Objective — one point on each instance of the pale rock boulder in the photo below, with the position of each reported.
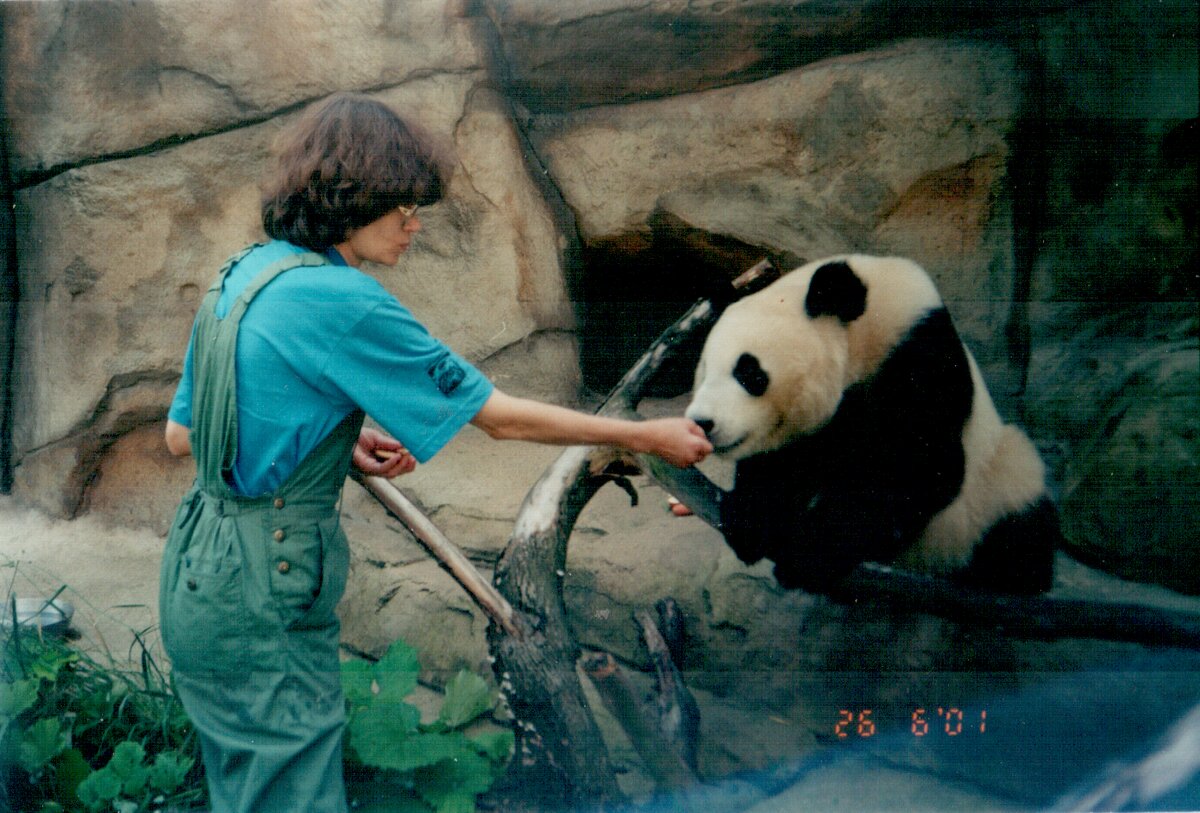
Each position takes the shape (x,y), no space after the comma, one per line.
(900,150)
(118,255)
(89,79)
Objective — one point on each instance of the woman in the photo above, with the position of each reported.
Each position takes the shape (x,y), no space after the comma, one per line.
(291,346)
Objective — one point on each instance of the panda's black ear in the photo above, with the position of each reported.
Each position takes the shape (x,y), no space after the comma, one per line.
(835,290)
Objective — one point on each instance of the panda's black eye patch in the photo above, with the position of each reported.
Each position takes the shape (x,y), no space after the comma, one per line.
(750,374)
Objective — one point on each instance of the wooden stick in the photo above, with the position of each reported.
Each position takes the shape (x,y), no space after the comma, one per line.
(676,709)
(658,752)
(446,552)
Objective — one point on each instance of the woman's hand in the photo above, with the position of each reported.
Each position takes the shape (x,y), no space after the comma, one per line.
(679,441)
(378,455)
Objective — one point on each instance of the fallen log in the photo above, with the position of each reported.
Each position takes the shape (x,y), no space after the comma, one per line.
(659,752)
(1044,618)
(675,708)
(561,757)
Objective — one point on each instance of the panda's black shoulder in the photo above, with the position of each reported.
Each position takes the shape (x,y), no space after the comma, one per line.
(926,374)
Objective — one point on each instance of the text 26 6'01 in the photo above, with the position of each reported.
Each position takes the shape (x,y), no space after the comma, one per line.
(940,721)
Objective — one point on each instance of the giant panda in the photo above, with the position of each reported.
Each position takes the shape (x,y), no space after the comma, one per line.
(862,431)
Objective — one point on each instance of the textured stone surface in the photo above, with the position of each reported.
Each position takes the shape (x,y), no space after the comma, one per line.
(92,79)
(118,255)
(712,131)
(633,49)
(900,151)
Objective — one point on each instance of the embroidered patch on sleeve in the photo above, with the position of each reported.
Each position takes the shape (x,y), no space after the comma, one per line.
(447,374)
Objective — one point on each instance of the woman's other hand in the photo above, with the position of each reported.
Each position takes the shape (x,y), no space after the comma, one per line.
(378,455)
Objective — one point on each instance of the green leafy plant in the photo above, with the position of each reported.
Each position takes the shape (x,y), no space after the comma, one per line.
(81,736)
(441,765)
(75,733)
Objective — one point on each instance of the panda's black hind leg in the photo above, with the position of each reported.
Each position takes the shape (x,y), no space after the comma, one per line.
(1017,554)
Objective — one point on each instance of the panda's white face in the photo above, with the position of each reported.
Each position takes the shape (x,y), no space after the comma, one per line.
(776,363)
(768,373)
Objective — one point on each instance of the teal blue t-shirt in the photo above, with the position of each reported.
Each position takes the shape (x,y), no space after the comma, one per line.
(318,342)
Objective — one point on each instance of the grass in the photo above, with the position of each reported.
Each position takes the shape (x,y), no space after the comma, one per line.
(80,731)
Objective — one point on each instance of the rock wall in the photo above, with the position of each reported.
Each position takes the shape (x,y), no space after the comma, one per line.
(613,158)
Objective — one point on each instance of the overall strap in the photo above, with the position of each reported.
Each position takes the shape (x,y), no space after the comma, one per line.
(319,477)
(214,394)
(307,258)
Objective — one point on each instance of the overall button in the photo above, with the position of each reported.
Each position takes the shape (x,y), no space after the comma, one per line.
(284,567)
(279,502)
(278,535)
(191,584)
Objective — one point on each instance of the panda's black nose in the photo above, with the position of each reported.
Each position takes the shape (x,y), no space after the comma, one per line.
(705,424)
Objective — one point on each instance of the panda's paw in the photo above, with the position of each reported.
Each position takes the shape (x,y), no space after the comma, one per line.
(677,508)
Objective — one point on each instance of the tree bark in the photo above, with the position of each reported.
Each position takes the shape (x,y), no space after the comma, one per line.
(8,309)
(654,745)
(561,757)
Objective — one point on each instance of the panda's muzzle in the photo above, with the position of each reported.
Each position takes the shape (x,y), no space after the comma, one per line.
(709,426)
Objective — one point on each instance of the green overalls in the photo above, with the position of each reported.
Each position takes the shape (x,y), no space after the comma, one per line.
(248,594)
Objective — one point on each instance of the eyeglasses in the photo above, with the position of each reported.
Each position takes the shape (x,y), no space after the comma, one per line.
(408,211)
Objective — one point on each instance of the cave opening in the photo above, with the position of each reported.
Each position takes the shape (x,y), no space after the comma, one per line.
(636,284)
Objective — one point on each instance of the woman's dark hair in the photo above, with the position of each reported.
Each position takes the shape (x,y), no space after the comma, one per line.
(345,163)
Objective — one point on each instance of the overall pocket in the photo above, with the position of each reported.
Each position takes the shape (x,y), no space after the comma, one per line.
(310,600)
(206,626)
(295,568)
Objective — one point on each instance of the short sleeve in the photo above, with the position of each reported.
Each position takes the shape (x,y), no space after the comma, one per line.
(418,389)
(181,405)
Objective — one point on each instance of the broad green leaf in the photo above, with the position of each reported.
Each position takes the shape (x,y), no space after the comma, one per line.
(169,771)
(464,775)
(382,746)
(70,769)
(49,661)
(92,709)
(357,677)
(40,743)
(457,803)
(388,799)
(396,673)
(99,789)
(126,765)
(16,698)
(495,745)
(467,697)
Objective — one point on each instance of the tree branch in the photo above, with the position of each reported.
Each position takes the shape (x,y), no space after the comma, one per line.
(561,755)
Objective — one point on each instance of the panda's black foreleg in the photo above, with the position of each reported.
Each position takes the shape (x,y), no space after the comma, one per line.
(831,538)
(747,526)
(1017,554)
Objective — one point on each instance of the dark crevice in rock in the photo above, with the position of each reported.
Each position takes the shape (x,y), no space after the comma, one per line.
(637,283)
(31,177)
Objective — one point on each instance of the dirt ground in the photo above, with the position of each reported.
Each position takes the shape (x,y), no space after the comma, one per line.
(110,575)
